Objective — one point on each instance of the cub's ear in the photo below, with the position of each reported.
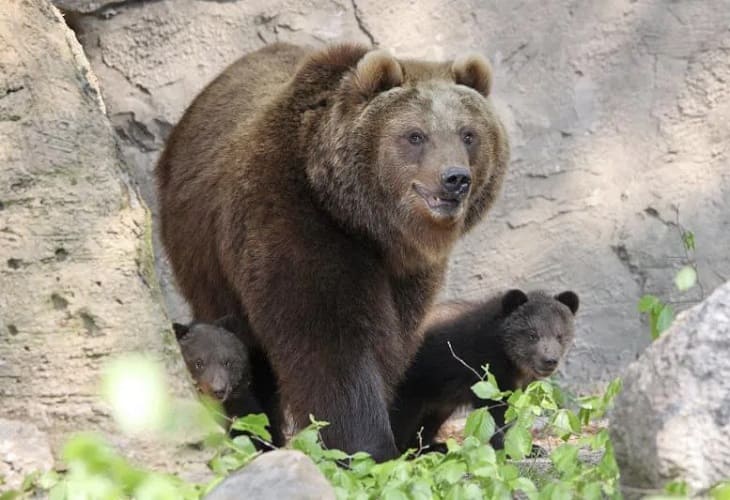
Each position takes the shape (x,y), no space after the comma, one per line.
(473,71)
(231,322)
(180,330)
(512,300)
(570,299)
(376,72)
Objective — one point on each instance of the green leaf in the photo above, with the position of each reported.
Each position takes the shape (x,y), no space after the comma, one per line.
(592,491)
(394,494)
(255,424)
(480,424)
(677,487)
(721,491)
(518,442)
(485,389)
(565,458)
(686,278)
(450,472)
(647,303)
(525,485)
(565,423)
(664,319)
(688,238)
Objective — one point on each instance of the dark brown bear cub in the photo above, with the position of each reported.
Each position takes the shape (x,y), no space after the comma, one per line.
(322,192)
(522,338)
(218,359)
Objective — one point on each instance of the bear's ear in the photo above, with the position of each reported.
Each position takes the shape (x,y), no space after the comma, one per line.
(230,322)
(512,300)
(570,299)
(473,71)
(376,72)
(180,330)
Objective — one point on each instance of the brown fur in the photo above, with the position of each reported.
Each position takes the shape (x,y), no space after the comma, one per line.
(288,190)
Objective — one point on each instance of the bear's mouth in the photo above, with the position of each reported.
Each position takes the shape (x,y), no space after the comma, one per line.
(441,204)
(543,372)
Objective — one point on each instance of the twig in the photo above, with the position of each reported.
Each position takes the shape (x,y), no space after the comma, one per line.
(480,377)
(690,259)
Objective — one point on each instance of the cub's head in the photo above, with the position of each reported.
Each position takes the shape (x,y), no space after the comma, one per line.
(538,329)
(408,150)
(216,357)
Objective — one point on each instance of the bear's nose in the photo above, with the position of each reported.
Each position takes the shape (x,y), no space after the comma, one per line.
(456,180)
(220,394)
(550,363)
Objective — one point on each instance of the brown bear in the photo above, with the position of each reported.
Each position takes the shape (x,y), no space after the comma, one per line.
(521,336)
(223,367)
(322,191)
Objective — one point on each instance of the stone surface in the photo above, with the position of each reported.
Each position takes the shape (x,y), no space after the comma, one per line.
(83,6)
(618,111)
(77,275)
(277,474)
(24,449)
(672,419)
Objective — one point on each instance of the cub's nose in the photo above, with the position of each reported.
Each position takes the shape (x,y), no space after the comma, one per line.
(220,394)
(550,363)
(456,180)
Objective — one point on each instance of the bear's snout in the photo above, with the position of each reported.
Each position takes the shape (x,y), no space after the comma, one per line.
(456,181)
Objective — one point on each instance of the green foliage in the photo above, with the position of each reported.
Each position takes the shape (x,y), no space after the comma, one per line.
(471,469)
(685,278)
(660,314)
(688,239)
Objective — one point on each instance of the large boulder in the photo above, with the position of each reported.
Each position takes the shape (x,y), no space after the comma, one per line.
(672,419)
(610,133)
(276,475)
(77,274)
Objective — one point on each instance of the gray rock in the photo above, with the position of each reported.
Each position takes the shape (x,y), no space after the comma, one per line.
(24,449)
(77,276)
(279,474)
(618,112)
(672,419)
(83,6)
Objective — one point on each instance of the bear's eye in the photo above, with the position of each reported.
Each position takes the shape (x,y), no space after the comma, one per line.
(416,137)
(227,363)
(468,138)
(198,364)
(533,337)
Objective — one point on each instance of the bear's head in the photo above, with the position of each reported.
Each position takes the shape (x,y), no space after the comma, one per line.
(537,330)
(215,356)
(410,152)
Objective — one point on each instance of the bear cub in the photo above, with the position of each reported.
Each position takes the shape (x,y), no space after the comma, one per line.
(217,357)
(521,336)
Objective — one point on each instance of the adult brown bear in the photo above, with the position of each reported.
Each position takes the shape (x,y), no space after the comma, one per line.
(321,192)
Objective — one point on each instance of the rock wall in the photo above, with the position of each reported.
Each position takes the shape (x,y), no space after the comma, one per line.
(77,281)
(618,112)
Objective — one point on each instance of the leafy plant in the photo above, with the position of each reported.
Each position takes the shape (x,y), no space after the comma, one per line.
(661,314)
(470,469)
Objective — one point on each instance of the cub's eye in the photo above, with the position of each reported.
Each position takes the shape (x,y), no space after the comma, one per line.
(468,138)
(416,137)
(227,363)
(533,337)
(198,364)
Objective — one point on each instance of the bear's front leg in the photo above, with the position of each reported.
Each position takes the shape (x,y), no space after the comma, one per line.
(346,389)
(324,315)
